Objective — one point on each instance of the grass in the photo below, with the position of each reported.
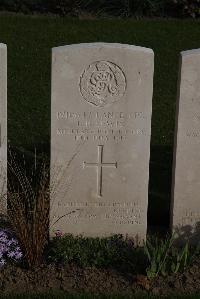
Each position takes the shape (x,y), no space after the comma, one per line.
(30,40)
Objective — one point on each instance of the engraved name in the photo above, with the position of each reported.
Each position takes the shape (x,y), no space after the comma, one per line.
(101,126)
(99,115)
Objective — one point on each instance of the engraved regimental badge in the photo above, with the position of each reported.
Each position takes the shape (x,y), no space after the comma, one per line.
(102,83)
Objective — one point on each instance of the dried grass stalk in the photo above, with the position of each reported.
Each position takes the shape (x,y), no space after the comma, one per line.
(28,209)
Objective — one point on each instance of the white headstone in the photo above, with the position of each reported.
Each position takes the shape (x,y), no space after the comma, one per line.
(100,134)
(185,209)
(3,128)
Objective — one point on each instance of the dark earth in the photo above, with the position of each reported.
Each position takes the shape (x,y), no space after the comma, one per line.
(73,279)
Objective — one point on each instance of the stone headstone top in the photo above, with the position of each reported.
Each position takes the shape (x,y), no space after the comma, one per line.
(100,134)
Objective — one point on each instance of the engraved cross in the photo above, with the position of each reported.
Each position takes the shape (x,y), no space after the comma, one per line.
(99,166)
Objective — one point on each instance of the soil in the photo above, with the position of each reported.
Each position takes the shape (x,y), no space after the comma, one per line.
(73,279)
(180,283)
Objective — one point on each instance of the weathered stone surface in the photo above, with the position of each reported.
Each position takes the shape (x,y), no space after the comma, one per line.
(185,208)
(100,139)
(3,128)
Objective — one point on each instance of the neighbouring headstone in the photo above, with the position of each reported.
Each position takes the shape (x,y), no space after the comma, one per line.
(3,128)
(185,208)
(100,134)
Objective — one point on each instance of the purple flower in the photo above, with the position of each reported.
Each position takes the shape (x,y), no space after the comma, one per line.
(58,233)
(9,247)
(3,239)
(11,254)
(3,248)
(18,255)
(3,234)
(2,262)
(12,242)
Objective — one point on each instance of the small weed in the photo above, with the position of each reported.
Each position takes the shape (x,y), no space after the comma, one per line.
(157,252)
(164,258)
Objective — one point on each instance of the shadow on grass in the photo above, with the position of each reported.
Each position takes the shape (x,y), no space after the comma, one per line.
(29,160)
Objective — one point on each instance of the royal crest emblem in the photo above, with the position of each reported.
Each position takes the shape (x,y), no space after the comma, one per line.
(102,83)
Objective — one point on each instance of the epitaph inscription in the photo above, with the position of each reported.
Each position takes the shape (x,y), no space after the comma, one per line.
(101,127)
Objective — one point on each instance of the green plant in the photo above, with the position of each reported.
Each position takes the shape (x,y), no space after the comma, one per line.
(122,8)
(146,7)
(115,251)
(64,7)
(182,258)
(157,252)
(126,8)
(190,8)
(25,6)
(165,258)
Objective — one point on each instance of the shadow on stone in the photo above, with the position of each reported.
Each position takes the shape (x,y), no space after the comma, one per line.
(188,233)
